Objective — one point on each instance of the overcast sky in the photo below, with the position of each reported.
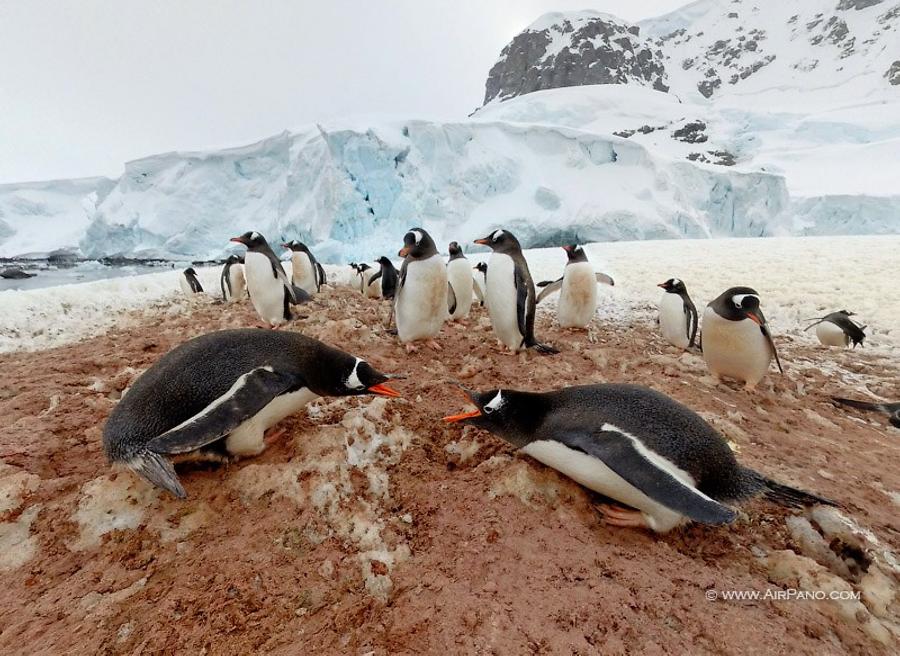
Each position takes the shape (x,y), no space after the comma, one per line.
(87,85)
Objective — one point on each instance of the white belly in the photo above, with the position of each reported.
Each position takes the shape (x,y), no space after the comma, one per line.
(370,291)
(459,274)
(735,349)
(266,291)
(578,296)
(831,335)
(595,475)
(237,281)
(422,301)
(501,300)
(247,439)
(185,285)
(303,273)
(673,321)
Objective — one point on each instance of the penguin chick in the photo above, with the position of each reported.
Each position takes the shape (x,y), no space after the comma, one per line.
(577,289)
(510,293)
(736,339)
(838,329)
(677,314)
(215,395)
(631,444)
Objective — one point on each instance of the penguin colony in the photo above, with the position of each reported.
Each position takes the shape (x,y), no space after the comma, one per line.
(218,396)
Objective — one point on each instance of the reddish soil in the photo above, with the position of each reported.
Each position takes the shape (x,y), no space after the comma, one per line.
(492,553)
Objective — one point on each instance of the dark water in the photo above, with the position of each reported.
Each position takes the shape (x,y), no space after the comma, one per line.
(82,272)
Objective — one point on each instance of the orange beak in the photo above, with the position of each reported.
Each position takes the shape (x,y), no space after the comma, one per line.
(754,318)
(662,284)
(404,251)
(483,242)
(383,390)
(285,246)
(237,239)
(463,415)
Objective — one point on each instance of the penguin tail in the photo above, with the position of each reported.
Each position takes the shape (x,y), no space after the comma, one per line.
(859,405)
(785,495)
(157,470)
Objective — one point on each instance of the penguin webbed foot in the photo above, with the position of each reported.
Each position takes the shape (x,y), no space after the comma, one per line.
(621,517)
(433,344)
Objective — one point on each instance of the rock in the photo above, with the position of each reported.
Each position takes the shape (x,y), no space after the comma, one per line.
(15,273)
(893,73)
(844,5)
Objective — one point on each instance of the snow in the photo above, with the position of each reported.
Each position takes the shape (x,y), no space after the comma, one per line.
(797,278)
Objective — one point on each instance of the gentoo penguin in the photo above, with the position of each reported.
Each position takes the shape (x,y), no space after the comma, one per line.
(189,283)
(677,314)
(577,289)
(480,286)
(736,339)
(271,292)
(232,280)
(424,297)
(838,329)
(510,293)
(389,277)
(307,273)
(215,395)
(892,410)
(459,275)
(631,444)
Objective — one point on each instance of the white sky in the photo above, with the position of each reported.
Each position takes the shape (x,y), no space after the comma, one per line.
(86,85)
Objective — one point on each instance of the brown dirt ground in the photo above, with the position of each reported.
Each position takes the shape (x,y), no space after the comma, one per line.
(477,551)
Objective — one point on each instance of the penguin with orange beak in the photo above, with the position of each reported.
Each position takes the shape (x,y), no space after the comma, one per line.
(737,342)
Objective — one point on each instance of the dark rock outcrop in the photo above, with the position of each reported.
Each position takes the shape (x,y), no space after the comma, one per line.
(893,73)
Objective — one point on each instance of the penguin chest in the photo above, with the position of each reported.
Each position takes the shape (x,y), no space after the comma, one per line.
(578,296)
(595,475)
(422,301)
(673,320)
(247,439)
(830,334)
(266,291)
(735,349)
(501,300)
(237,284)
(302,272)
(460,277)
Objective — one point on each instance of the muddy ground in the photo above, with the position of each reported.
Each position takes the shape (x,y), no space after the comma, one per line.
(373,528)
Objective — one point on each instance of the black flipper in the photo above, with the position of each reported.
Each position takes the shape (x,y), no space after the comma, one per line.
(374,278)
(521,286)
(620,453)
(604,279)
(224,281)
(692,319)
(549,287)
(765,331)
(451,299)
(323,279)
(196,287)
(249,394)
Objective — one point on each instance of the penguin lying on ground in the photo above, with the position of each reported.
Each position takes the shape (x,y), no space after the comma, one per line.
(481,283)
(736,339)
(677,314)
(631,444)
(306,272)
(459,275)
(232,280)
(389,277)
(892,410)
(215,396)
(189,283)
(424,298)
(510,293)
(838,329)
(577,289)
(271,293)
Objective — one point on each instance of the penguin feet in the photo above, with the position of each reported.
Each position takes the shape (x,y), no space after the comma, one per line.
(411,348)
(622,517)
(273,433)
(432,344)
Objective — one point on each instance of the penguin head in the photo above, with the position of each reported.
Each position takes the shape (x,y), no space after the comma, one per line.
(576,253)
(481,266)
(190,271)
(454,248)
(417,244)
(353,377)
(252,240)
(739,303)
(362,267)
(500,241)
(510,414)
(234,259)
(384,261)
(297,246)
(673,286)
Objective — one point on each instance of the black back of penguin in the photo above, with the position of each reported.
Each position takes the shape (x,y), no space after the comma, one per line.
(190,377)
(389,277)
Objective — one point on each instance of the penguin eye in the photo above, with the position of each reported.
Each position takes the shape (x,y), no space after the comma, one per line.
(487,409)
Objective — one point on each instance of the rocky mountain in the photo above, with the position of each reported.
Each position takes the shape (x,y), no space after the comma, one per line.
(573,49)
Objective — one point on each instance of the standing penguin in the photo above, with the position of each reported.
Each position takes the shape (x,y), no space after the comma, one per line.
(389,277)
(424,298)
(480,287)
(189,283)
(307,273)
(510,293)
(232,280)
(838,329)
(460,277)
(270,291)
(216,395)
(736,339)
(677,314)
(577,289)
(631,444)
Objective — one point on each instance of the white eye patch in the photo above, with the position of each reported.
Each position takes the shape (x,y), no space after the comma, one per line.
(254,235)
(738,299)
(353,382)
(497,234)
(495,403)
(416,235)
(676,281)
